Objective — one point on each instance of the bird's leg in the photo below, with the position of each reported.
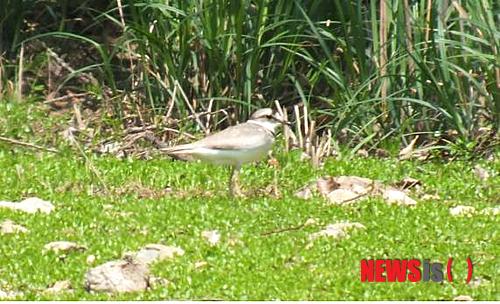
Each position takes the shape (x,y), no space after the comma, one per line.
(234,184)
(273,162)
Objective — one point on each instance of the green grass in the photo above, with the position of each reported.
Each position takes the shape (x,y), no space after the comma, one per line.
(279,266)
(375,68)
(259,267)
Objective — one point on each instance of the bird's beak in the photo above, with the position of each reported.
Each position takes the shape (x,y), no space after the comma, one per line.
(281,120)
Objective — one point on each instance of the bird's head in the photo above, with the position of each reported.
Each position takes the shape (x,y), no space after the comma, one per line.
(268,118)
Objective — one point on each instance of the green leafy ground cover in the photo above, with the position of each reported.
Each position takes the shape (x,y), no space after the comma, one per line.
(136,210)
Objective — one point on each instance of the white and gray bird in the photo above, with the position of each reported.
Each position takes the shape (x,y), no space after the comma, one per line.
(234,146)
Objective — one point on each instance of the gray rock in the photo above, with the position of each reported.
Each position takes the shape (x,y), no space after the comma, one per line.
(59,286)
(212,237)
(30,205)
(491,211)
(304,193)
(6,295)
(394,196)
(463,298)
(461,210)
(63,246)
(118,277)
(343,196)
(152,253)
(338,230)
(8,227)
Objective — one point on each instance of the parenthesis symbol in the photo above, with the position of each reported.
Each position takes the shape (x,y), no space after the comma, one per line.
(448,269)
(470,269)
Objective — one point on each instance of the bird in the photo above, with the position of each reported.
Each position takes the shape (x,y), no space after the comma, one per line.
(234,146)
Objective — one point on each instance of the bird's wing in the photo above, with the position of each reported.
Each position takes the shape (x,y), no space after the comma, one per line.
(242,136)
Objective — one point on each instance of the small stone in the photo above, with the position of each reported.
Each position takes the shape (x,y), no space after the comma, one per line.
(463,298)
(200,264)
(90,259)
(30,205)
(393,196)
(211,236)
(362,153)
(6,295)
(431,197)
(310,222)
(8,227)
(338,230)
(477,282)
(59,286)
(63,246)
(304,193)
(156,282)
(491,211)
(152,253)
(481,173)
(462,211)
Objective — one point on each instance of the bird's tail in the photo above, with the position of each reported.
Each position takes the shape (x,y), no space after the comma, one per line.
(180,152)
